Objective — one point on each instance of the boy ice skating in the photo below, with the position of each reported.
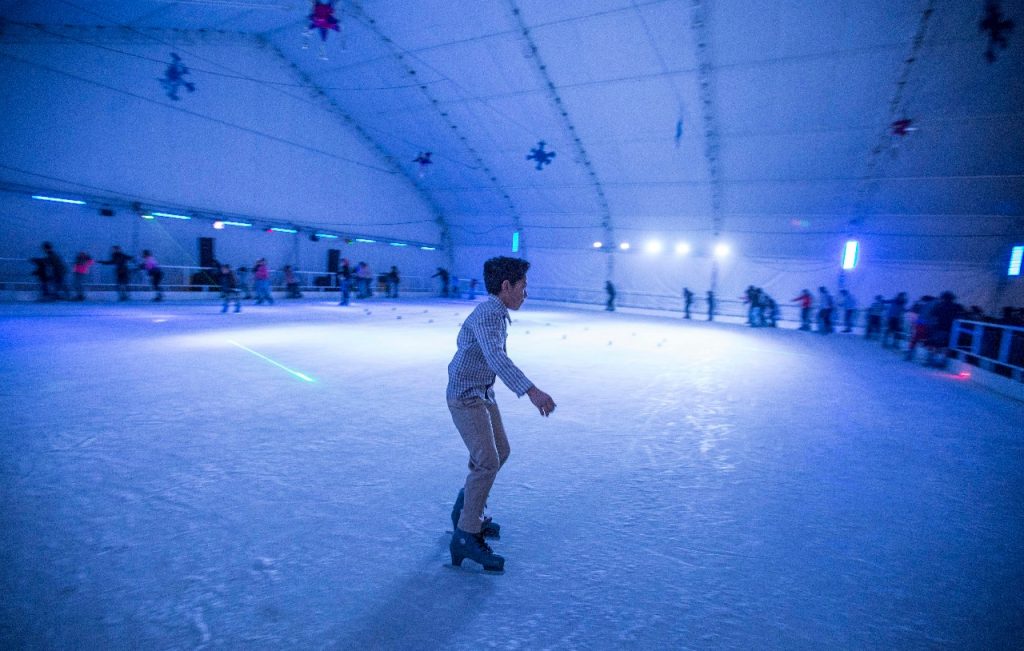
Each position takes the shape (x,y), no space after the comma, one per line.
(471,374)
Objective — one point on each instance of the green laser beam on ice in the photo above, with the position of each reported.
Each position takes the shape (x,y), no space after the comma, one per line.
(301,376)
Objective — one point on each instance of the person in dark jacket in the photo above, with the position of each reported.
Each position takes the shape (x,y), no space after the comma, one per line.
(391,280)
(229,288)
(711,305)
(894,320)
(344,281)
(687,302)
(609,288)
(945,312)
(122,272)
(58,272)
(42,274)
(442,274)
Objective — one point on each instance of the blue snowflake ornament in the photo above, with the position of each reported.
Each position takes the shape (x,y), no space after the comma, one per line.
(542,157)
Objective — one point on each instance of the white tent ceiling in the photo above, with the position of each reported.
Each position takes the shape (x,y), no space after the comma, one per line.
(667,116)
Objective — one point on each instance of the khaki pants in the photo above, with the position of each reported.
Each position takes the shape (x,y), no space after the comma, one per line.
(479,423)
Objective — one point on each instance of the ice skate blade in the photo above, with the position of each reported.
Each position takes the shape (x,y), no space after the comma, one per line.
(474,568)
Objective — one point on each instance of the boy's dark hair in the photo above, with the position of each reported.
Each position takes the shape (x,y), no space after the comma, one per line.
(498,270)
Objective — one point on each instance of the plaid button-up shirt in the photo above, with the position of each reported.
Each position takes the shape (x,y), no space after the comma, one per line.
(481,355)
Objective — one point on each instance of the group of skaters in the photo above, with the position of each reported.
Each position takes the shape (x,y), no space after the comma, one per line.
(245,283)
(926,323)
(349,279)
(360,280)
(451,286)
(52,273)
(828,309)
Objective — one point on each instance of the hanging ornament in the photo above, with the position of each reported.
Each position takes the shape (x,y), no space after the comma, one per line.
(997,28)
(322,20)
(174,78)
(902,127)
(424,161)
(542,157)
(679,131)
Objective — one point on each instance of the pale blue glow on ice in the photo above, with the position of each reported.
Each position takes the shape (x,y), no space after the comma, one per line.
(301,376)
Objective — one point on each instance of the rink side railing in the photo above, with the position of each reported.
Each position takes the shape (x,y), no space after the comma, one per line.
(16,274)
(994,347)
(724,307)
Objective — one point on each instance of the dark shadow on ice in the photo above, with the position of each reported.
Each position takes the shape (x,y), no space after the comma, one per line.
(425,610)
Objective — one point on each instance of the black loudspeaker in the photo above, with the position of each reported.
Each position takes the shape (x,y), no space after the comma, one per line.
(206,257)
(333,259)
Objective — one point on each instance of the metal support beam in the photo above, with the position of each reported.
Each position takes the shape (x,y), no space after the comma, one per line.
(705,69)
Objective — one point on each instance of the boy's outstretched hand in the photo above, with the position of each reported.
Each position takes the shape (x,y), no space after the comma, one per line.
(542,401)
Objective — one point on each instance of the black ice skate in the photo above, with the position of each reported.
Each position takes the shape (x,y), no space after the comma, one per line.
(472,546)
(489,528)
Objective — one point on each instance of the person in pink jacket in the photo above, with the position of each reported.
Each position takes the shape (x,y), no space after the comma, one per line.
(83,263)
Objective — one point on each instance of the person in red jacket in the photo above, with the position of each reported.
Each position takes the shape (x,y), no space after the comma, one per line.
(805,300)
(83,263)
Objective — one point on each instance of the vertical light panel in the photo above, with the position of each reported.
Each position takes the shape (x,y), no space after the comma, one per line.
(1015,259)
(850,254)
(515,242)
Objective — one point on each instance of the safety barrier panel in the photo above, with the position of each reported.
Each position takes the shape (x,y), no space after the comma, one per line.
(991,346)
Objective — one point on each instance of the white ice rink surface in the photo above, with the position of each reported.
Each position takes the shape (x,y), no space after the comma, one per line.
(700,486)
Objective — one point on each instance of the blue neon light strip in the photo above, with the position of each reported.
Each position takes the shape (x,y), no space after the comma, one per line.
(171,215)
(397,244)
(515,242)
(148,217)
(236,224)
(850,254)
(58,199)
(1016,256)
(327,236)
(364,240)
(427,248)
(283,230)
(301,376)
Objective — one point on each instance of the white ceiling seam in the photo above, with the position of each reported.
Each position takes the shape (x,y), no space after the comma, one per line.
(563,115)
(870,178)
(398,169)
(399,55)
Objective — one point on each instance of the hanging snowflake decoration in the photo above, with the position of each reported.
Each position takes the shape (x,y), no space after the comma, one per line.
(542,157)
(424,162)
(997,27)
(322,20)
(174,78)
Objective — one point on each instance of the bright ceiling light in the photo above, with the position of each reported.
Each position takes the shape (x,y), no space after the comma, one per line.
(624,246)
(42,197)
(654,247)
(682,248)
(598,245)
(721,250)
(850,254)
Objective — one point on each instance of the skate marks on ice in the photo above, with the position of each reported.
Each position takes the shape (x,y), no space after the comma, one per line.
(427,608)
